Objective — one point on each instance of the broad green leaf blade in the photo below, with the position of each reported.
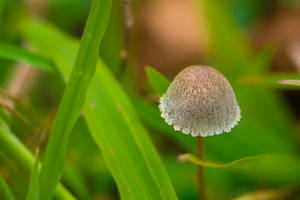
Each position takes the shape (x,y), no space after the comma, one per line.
(12,52)
(11,146)
(33,190)
(74,97)
(5,190)
(157,81)
(112,44)
(290,82)
(126,146)
(127,149)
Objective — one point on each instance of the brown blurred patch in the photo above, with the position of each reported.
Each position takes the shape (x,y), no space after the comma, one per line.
(281,29)
(170,35)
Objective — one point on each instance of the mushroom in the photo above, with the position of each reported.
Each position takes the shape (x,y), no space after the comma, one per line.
(201,102)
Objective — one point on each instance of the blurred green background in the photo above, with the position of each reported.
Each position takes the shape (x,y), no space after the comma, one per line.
(254,43)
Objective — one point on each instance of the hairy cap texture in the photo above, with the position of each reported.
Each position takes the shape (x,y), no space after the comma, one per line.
(200,102)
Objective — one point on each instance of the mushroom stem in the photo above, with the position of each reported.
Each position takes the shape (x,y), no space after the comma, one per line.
(201,169)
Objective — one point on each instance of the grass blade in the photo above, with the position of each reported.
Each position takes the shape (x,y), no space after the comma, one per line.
(290,82)
(269,80)
(11,146)
(234,164)
(157,81)
(4,189)
(127,149)
(267,166)
(33,191)
(12,52)
(74,97)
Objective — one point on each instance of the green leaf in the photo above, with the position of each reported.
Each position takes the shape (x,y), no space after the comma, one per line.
(74,97)
(157,81)
(5,190)
(33,190)
(11,146)
(113,123)
(262,61)
(75,181)
(265,166)
(113,40)
(270,80)
(234,164)
(12,52)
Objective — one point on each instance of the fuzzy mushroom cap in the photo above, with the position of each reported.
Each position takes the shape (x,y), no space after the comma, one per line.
(201,102)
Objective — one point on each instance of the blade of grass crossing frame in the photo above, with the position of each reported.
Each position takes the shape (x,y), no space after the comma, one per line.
(11,146)
(262,164)
(74,97)
(33,190)
(157,81)
(126,147)
(13,52)
(5,190)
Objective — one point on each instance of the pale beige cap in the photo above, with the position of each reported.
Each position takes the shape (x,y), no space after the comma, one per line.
(200,101)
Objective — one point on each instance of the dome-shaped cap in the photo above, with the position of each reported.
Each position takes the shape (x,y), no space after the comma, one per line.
(201,102)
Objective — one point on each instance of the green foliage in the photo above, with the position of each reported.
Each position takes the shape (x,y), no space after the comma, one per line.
(113,123)
(33,190)
(111,119)
(268,80)
(150,115)
(265,165)
(158,82)
(73,178)
(5,190)
(253,163)
(11,52)
(113,40)
(11,146)
(1,10)
(74,97)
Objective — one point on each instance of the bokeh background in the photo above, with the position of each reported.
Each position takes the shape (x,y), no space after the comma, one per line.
(254,43)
